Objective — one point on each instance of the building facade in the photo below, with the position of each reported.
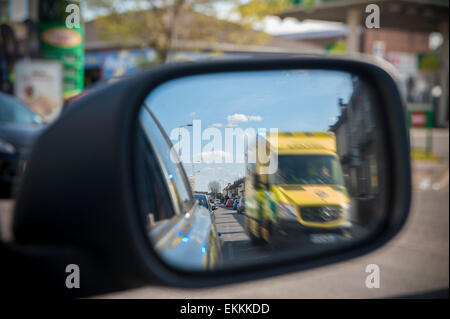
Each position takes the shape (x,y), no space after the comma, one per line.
(357,148)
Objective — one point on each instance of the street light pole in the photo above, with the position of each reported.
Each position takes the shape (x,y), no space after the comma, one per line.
(179,137)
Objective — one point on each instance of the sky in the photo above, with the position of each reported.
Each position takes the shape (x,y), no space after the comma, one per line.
(275,26)
(286,100)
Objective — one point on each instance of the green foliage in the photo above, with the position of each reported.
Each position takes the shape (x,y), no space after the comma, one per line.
(256,10)
(162,24)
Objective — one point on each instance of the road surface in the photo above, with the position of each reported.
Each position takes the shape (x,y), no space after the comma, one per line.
(238,248)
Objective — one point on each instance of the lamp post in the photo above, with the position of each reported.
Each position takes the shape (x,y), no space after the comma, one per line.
(179,146)
(179,137)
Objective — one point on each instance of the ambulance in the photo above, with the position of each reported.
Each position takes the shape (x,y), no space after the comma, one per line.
(305,190)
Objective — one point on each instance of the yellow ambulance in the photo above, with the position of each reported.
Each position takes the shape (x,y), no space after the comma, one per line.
(306,189)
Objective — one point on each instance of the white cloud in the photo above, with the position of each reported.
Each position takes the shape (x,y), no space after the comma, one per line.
(217,125)
(255,118)
(237,117)
(242,118)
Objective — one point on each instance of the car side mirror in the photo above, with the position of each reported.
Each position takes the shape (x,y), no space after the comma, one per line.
(323,118)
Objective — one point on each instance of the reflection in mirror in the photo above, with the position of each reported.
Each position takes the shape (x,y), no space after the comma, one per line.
(248,167)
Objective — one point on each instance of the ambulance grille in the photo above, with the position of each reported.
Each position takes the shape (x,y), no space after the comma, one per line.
(320,214)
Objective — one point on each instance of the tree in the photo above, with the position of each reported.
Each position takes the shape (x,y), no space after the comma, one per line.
(161,24)
(214,188)
(151,21)
(253,11)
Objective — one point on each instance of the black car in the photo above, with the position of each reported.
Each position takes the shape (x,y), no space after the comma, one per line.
(19,126)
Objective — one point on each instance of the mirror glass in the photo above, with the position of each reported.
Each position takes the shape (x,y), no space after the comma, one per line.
(244,168)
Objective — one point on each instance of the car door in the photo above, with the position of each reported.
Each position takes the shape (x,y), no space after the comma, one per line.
(189,232)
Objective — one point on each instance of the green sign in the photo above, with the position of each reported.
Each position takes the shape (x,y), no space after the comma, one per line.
(336,47)
(63,41)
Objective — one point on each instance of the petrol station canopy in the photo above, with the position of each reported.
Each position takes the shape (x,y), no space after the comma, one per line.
(411,15)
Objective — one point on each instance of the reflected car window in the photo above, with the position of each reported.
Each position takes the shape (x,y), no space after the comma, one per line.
(154,207)
(173,172)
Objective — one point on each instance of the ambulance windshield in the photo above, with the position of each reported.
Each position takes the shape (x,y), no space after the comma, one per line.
(308,169)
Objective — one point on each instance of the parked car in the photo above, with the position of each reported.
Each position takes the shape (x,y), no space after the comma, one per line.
(217,201)
(229,203)
(19,127)
(241,205)
(203,200)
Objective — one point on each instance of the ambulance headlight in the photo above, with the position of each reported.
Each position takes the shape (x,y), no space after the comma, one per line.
(290,210)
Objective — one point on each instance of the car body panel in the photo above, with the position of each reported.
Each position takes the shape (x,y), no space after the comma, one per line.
(192,242)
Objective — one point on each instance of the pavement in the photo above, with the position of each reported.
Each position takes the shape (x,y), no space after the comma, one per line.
(439,138)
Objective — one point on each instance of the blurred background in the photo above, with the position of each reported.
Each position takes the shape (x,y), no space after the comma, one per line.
(53,52)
